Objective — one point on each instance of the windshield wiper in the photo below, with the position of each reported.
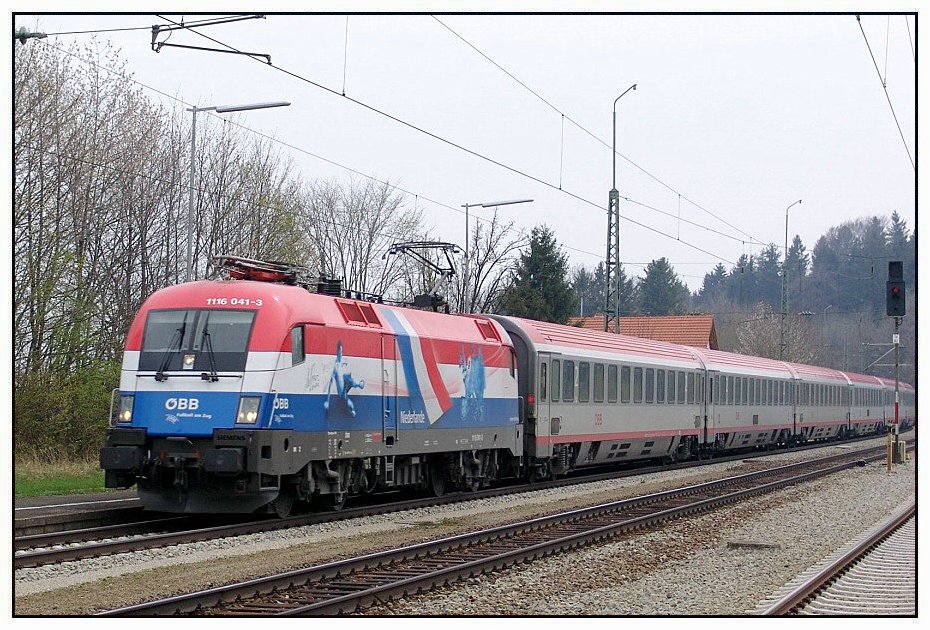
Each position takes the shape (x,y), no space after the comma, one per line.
(206,343)
(178,338)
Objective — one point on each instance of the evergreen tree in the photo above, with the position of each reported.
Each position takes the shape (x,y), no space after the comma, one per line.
(629,294)
(798,259)
(586,292)
(714,284)
(768,272)
(897,236)
(901,246)
(661,291)
(797,264)
(539,287)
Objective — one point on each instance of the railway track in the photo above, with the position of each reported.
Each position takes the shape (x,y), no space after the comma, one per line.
(874,576)
(164,531)
(349,585)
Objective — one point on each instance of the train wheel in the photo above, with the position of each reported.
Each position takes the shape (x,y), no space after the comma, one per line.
(336,501)
(283,504)
(437,479)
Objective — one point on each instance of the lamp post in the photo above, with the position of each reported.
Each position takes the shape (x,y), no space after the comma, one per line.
(612,266)
(823,333)
(783,345)
(486,204)
(220,109)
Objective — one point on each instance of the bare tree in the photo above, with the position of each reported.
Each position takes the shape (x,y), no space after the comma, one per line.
(493,249)
(352,226)
(760,336)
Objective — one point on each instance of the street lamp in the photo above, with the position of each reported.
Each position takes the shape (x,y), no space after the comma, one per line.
(612,265)
(220,109)
(783,346)
(823,333)
(486,204)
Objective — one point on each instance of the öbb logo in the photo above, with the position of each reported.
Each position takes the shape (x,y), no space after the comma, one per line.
(182,403)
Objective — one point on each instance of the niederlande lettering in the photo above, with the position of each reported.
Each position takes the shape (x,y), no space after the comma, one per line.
(412,417)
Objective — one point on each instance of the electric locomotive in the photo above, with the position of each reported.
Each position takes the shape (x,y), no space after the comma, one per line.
(247,393)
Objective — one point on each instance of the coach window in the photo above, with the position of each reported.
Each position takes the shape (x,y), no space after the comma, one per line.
(671,387)
(625,384)
(737,391)
(568,381)
(650,385)
(745,391)
(543,381)
(611,383)
(584,382)
(298,353)
(598,382)
(555,379)
(660,386)
(690,388)
(681,388)
(638,385)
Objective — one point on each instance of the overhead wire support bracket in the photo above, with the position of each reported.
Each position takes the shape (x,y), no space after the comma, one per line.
(157,29)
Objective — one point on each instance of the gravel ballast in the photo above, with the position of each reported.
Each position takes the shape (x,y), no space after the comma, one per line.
(72,587)
(722,563)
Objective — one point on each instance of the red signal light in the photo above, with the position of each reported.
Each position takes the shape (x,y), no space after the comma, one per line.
(531,399)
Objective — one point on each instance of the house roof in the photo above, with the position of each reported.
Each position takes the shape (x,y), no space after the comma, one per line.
(689,330)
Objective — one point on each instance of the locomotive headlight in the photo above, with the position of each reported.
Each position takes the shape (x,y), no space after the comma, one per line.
(248,409)
(125,408)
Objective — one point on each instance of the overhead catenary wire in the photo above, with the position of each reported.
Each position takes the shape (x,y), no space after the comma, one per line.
(521,231)
(460,147)
(131,28)
(885,89)
(590,133)
(911,41)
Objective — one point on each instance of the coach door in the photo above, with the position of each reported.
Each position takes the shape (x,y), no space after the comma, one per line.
(710,419)
(546,426)
(389,359)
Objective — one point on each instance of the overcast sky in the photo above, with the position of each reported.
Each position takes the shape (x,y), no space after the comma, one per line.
(741,114)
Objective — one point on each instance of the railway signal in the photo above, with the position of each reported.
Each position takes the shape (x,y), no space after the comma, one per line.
(895,307)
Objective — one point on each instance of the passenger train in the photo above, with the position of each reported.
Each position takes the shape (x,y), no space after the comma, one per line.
(252,393)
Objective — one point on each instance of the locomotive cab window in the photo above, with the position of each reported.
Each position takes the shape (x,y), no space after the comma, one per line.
(298,353)
(197,340)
